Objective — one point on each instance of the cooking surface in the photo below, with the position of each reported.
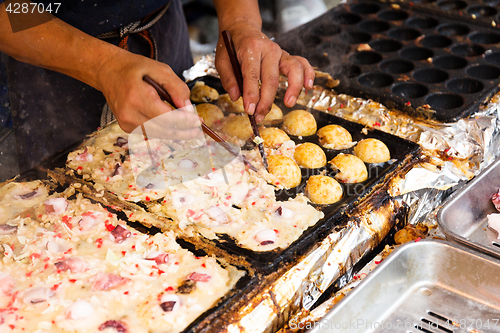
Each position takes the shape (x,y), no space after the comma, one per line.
(421,63)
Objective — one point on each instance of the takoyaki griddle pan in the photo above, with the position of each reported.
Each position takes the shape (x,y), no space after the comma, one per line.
(423,64)
(402,152)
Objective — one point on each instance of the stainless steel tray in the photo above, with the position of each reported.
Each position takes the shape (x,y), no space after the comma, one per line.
(428,286)
(463,217)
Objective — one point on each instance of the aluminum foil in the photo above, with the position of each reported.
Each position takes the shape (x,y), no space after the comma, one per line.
(452,154)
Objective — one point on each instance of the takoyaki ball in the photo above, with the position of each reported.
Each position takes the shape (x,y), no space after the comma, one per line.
(273,137)
(311,156)
(323,190)
(274,116)
(299,123)
(227,105)
(202,93)
(372,151)
(334,137)
(209,113)
(238,126)
(351,168)
(285,169)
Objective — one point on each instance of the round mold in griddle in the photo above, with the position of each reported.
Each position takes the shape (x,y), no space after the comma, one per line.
(464,86)
(310,40)
(404,33)
(444,101)
(366,57)
(385,45)
(375,80)
(396,66)
(409,90)
(483,72)
(467,50)
(453,29)
(485,38)
(345,70)
(436,41)
(373,26)
(422,22)
(451,4)
(393,15)
(493,58)
(318,60)
(333,49)
(346,18)
(365,8)
(326,29)
(355,37)
(430,75)
(449,62)
(416,53)
(481,10)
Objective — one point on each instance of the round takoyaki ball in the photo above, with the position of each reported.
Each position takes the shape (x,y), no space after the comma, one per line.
(351,168)
(334,137)
(274,116)
(323,190)
(202,93)
(311,156)
(372,151)
(209,113)
(299,123)
(227,105)
(285,169)
(273,137)
(238,126)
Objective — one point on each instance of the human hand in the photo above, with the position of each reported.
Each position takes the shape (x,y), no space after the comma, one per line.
(132,100)
(261,60)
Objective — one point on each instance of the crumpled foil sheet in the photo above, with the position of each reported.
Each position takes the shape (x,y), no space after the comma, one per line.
(454,153)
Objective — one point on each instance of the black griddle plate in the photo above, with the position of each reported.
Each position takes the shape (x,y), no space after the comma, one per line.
(420,62)
(401,152)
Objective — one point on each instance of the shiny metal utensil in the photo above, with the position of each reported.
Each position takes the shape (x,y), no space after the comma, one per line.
(239,78)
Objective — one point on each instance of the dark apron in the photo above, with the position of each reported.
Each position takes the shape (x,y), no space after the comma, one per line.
(51,111)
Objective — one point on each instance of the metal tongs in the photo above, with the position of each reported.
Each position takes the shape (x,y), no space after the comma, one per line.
(207,130)
(239,78)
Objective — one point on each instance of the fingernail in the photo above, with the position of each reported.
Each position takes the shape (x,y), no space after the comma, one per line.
(251,108)
(291,101)
(233,93)
(188,105)
(310,84)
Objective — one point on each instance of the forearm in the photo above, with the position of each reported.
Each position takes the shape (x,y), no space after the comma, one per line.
(230,12)
(57,46)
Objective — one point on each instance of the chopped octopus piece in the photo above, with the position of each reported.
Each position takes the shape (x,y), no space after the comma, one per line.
(120,233)
(116,324)
(79,309)
(7,229)
(105,281)
(199,277)
(118,170)
(74,264)
(265,237)
(87,222)
(170,302)
(217,214)
(7,283)
(495,198)
(37,295)
(56,205)
(120,142)
(85,156)
(284,212)
(159,258)
(187,164)
(28,195)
